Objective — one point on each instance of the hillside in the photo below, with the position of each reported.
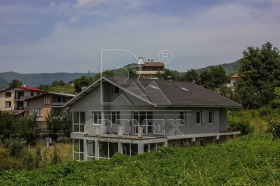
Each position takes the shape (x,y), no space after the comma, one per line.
(249,160)
(229,67)
(41,78)
(3,83)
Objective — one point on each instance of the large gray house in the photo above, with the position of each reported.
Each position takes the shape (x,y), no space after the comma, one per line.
(133,116)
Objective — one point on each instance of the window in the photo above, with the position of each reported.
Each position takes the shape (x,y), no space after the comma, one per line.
(78,152)
(96,117)
(130,149)
(115,117)
(79,119)
(182,117)
(198,117)
(107,149)
(140,117)
(211,117)
(116,90)
(38,111)
(8,94)
(152,146)
(90,150)
(47,101)
(8,104)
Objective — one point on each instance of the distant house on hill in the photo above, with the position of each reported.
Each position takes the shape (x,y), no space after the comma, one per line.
(139,115)
(149,69)
(13,99)
(233,79)
(45,103)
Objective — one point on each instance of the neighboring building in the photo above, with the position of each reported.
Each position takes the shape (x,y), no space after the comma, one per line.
(43,104)
(233,79)
(13,99)
(149,69)
(140,115)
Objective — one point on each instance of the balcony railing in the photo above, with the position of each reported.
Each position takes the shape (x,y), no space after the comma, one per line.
(58,103)
(21,98)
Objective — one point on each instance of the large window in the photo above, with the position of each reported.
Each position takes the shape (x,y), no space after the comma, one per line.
(107,149)
(8,104)
(78,151)
(115,117)
(198,117)
(79,119)
(96,117)
(211,117)
(90,150)
(140,117)
(130,149)
(38,111)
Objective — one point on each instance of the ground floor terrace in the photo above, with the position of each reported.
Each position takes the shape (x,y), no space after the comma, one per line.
(104,146)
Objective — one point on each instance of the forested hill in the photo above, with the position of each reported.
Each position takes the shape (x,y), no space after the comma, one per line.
(40,78)
(3,83)
(230,68)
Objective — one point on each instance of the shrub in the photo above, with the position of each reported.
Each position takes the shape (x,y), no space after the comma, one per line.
(274,128)
(243,127)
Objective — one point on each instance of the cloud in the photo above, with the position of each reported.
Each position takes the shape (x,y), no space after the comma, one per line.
(212,35)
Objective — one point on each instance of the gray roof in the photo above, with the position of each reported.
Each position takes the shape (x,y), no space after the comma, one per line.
(52,93)
(174,93)
(162,93)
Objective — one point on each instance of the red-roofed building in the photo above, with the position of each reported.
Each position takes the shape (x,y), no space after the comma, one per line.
(14,98)
(233,79)
(149,69)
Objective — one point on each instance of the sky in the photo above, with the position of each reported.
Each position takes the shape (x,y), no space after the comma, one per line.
(89,35)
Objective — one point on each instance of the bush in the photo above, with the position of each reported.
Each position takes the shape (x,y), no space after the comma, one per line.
(274,128)
(243,127)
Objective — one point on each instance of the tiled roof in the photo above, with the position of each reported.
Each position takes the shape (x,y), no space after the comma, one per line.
(31,88)
(234,76)
(23,87)
(153,64)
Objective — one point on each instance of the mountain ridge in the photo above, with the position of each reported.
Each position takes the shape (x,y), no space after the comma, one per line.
(35,79)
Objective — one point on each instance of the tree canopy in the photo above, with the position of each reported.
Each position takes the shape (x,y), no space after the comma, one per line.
(15,83)
(260,74)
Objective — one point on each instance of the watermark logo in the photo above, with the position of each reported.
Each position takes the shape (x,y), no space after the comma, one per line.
(165,56)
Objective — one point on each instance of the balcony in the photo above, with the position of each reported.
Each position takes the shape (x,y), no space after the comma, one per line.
(21,98)
(149,72)
(57,104)
(20,108)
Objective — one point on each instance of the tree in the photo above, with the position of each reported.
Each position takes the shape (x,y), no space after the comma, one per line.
(191,76)
(81,82)
(58,123)
(213,78)
(260,74)
(15,83)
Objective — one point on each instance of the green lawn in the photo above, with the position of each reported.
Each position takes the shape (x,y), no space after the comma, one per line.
(248,160)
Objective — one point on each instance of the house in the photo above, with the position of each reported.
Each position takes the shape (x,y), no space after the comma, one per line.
(13,99)
(233,79)
(149,69)
(139,115)
(44,103)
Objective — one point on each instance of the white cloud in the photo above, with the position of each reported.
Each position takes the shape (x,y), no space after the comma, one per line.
(210,36)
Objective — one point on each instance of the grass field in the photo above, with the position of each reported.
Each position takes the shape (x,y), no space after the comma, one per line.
(248,160)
